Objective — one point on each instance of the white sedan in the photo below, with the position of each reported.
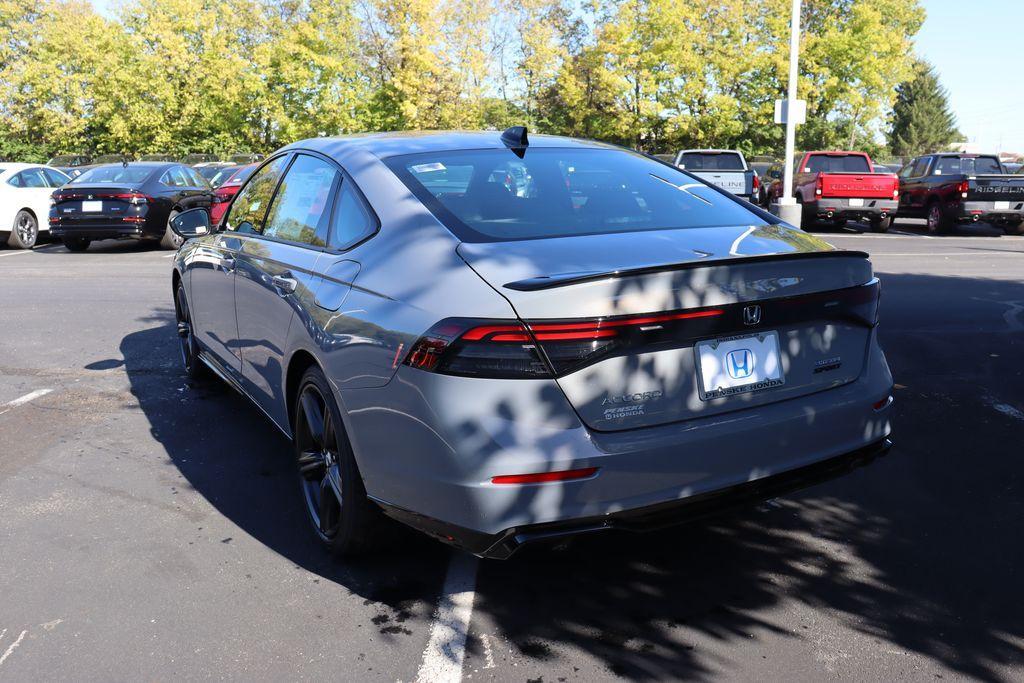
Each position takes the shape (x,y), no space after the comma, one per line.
(25,191)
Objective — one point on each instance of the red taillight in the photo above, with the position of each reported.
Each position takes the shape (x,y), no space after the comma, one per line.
(819,185)
(963,188)
(511,349)
(757,184)
(542,477)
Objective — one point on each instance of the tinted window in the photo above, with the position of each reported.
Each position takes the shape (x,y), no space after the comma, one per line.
(31,178)
(721,161)
(352,220)
(920,167)
(301,208)
(490,195)
(195,179)
(55,178)
(114,174)
(175,177)
(981,165)
(837,163)
(219,175)
(250,206)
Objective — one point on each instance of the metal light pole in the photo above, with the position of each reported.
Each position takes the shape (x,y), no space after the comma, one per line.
(787,208)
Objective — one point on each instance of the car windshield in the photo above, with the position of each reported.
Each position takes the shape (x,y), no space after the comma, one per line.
(494,195)
(114,174)
(719,161)
(837,163)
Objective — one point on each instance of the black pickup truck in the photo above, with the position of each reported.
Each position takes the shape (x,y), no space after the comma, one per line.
(951,188)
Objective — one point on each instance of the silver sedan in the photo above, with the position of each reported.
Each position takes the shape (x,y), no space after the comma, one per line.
(499,338)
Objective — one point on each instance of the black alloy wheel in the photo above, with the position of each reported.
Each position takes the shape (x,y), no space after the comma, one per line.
(340,514)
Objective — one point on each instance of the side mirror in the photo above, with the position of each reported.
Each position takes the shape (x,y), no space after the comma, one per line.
(192,223)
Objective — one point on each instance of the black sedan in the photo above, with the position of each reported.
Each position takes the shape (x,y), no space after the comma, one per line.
(126,201)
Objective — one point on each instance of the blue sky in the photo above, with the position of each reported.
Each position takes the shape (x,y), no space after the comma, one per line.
(976,46)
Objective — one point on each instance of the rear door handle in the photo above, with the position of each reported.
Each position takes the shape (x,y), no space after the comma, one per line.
(286,285)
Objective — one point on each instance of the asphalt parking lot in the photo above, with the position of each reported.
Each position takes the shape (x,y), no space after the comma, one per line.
(150,529)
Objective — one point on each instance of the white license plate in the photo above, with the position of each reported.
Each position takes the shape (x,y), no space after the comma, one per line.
(1001,206)
(738,365)
(92,206)
(856,202)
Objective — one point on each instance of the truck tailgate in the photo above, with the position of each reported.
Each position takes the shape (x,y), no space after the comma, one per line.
(862,185)
(730,181)
(998,188)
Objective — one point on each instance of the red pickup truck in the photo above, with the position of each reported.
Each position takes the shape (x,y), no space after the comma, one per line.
(841,186)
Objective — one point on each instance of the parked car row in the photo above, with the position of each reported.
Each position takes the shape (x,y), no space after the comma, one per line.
(129,200)
(839,186)
(75,164)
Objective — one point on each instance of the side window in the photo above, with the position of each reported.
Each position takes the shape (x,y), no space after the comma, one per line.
(194,179)
(301,209)
(175,177)
(15,180)
(947,166)
(352,219)
(55,178)
(250,205)
(34,178)
(920,167)
(905,172)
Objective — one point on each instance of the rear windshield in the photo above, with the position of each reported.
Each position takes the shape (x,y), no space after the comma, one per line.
(966,165)
(114,174)
(837,163)
(719,161)
(493,195)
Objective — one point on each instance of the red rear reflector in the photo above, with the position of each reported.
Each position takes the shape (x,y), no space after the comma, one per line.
(541,477)
(883,403)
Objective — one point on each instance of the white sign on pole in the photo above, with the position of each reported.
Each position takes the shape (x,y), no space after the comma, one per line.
(799,111)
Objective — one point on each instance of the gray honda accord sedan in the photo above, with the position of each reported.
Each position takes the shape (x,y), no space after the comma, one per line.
(499,338)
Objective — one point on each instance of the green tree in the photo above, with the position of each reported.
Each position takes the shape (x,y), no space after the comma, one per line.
(921,119)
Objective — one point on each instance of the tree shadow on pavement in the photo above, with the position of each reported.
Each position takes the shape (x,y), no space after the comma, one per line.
(233,456)
(918,553)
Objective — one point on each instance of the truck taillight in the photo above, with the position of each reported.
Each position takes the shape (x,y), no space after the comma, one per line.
(757,184)
(963,187)
(819,185)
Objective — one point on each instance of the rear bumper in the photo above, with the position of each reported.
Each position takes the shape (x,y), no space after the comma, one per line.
(828,207)
(101,231)
(502,545)
(446,437)
(987,211)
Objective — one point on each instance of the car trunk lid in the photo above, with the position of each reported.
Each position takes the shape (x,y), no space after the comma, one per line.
(622,318)
(97,204)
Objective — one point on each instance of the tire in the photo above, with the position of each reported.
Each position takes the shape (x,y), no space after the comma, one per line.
(341,516)
(881,224)
(24,232)
(938,223)
(1014,228)
(194,368)
(171,240)
(76,243)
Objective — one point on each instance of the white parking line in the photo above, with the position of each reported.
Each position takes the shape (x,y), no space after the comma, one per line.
(16,253)
(12,647)
(442,659)
(21,400)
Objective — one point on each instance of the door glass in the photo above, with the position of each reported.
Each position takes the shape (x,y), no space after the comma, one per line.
(33,178)
(352,220)
(55,178)
(920,167)
(300,209)
(195,180)
(250,205)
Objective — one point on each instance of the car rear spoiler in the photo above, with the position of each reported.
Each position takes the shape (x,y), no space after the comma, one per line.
(541,282)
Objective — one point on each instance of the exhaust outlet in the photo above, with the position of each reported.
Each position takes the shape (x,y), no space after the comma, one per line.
(974,218)
(828,215)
